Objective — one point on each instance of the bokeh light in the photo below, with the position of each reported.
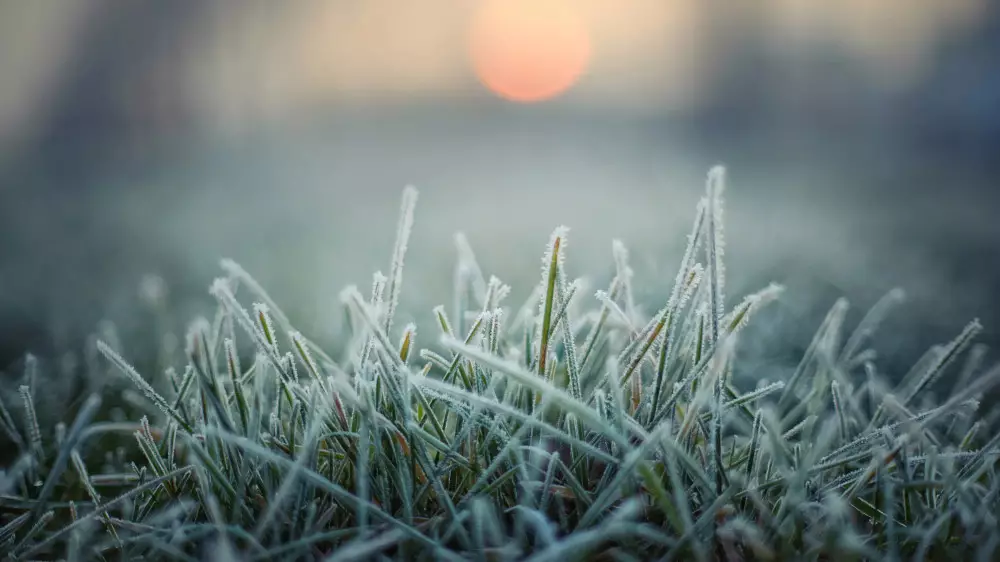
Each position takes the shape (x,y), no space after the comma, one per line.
(529,50)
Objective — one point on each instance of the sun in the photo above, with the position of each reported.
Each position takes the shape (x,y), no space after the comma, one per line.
(528,50)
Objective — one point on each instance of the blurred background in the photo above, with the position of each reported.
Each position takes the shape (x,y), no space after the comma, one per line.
(142,137)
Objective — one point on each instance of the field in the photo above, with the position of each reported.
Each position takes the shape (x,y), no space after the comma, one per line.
(572,426)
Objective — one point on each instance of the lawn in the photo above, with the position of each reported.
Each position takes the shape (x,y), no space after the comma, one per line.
(568,427)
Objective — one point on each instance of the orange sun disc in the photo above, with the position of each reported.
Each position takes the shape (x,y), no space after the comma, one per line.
(529,50)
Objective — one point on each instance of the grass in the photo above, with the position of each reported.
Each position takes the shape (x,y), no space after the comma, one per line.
(568,428)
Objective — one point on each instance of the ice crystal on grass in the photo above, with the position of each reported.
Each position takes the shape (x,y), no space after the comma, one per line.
(545,431)
(405,226)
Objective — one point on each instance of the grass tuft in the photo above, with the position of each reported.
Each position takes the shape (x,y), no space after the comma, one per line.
(561,429)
